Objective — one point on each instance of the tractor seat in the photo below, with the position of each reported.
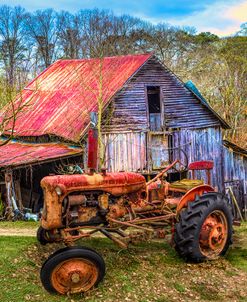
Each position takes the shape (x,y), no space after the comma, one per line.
(186,184)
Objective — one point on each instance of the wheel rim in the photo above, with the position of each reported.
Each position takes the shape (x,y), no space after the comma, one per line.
(74,276)
(213,234)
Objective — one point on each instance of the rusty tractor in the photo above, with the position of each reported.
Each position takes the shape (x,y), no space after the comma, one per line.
(125,208)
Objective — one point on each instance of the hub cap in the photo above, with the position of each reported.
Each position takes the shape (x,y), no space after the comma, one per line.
(213,234)
(74,276)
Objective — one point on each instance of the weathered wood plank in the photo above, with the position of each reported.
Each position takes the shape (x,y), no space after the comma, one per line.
(201,144)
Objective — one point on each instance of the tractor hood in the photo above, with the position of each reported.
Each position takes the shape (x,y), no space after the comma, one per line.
(113,183)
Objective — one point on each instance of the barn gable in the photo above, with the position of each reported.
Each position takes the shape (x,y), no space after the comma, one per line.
(181,108)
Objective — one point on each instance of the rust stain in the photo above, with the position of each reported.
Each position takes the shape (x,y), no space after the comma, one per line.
(74,276)
(113,183)
(213,234)
(116,184)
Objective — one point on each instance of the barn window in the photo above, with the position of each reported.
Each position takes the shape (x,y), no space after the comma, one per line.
(154,108)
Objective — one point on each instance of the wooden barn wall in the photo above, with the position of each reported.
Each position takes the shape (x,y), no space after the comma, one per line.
(181,108)
(125,151)
(201,144)
(235,167)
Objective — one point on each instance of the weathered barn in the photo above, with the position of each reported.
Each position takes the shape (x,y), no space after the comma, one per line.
(150,117)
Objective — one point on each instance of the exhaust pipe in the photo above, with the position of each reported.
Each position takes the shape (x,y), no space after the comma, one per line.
(92,145)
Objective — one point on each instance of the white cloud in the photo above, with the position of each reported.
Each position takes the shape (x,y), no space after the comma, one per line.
(238,12)
(221,18)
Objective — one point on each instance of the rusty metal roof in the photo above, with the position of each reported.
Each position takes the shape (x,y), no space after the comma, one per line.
(16,153)
(59,100)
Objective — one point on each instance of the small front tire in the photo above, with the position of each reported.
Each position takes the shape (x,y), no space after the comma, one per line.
(72,270)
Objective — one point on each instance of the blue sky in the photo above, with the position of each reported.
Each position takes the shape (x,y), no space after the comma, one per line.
(222,17)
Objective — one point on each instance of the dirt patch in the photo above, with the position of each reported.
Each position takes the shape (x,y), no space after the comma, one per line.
(18,232)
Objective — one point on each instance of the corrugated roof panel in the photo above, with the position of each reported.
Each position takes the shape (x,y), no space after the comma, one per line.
(17,153)
(60,99)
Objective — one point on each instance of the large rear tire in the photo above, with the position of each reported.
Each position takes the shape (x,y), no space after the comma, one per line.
(72,270)
(204,229)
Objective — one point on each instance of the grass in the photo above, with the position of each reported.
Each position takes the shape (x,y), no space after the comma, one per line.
(19,224)
(205,294)
(238,252)
(149,271)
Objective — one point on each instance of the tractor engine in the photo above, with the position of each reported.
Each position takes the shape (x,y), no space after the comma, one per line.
(77,200)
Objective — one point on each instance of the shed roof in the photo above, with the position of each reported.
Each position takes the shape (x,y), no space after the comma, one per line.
(16,153)
(60,99)
(235,148)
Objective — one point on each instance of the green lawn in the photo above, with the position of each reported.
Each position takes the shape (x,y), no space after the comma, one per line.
(149,271)
(237,255)
(19,224)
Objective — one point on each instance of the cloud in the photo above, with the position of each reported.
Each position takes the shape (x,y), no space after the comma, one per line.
(221,18)
(238,12)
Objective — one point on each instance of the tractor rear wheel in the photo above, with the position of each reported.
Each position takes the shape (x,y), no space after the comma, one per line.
(204,229)
(72,270)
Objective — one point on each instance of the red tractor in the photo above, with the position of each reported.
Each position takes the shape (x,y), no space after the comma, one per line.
(114,204)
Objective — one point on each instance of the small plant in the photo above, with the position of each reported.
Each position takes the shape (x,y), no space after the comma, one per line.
(1,207)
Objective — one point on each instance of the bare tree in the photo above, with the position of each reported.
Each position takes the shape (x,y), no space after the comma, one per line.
(95,27)
(104,34)
(42,26)
(12,46)
(69,37)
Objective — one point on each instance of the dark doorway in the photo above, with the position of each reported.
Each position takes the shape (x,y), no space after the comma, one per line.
(154,108)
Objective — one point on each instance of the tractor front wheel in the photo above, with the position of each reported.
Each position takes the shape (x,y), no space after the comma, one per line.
(43,236)
(204,229)
(72,270)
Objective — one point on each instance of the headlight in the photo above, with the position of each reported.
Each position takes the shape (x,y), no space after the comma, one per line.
(59,191)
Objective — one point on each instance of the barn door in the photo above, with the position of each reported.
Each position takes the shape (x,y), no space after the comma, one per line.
(158,141)
(158,150)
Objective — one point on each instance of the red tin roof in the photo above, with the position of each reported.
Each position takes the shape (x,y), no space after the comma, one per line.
(16,153)
(60,99)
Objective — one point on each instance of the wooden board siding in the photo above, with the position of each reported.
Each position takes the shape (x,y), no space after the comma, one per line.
(128,151)
(135,151)
(125,151)
(181,108)
(235,167)
(201,144)
(129,109)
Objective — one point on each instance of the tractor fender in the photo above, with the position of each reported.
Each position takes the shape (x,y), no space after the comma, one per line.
(191,195)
